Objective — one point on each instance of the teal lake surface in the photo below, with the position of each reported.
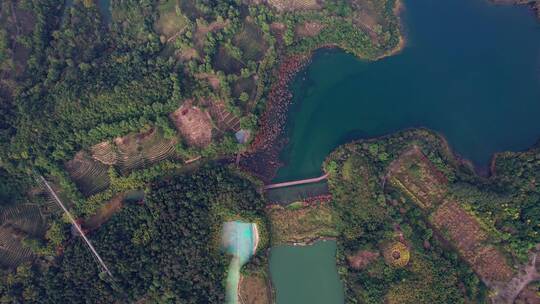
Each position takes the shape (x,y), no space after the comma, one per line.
(306,274)
(470,70)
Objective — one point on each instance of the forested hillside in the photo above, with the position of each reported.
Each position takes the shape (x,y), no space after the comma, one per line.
(165,249)
(465,237)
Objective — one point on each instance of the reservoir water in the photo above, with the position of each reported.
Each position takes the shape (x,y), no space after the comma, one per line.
(471,70)
(306,274)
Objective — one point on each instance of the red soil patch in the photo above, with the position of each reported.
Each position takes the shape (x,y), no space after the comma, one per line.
(254,289)
(469,238)
(362,258)
(309,29)
(187,54)
(194,124)
(104,214)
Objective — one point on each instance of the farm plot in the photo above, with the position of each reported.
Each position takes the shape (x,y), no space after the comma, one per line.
(225,120)
(295,5)
(139,150)
(104,152)
(194,124)
(414,174)
(472,242)
(17,223)
(90,175)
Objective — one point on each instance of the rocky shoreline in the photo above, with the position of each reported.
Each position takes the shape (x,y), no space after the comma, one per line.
(262,157)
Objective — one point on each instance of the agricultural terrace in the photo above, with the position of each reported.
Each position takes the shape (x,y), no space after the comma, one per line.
(389,250)
(90,170)
(17,224)
(414,174)
(418,178)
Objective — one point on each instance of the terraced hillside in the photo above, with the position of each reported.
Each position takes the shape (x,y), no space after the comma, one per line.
(17,223)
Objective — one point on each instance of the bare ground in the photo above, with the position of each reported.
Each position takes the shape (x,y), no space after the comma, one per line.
(194,124)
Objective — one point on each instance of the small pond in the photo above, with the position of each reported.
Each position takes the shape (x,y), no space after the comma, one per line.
(306,274)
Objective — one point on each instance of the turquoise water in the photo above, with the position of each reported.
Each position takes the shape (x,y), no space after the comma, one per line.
(238,240)
(471,70)
(306,274)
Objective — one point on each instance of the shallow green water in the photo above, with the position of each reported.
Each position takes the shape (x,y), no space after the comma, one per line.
(471,71)
(306,274)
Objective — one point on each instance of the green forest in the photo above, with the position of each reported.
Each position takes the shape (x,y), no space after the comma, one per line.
(162,250)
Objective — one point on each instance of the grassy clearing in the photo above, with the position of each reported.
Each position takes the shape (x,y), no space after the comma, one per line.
(171,20)
(302,224)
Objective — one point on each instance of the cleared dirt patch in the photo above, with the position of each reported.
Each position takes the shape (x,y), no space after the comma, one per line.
(470,239)
(203,29)
(104,214)
(529,295)
(309,29)
(245,85)
(254,289)
(212,79)
(413,173)
(362,258)
(194,124)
